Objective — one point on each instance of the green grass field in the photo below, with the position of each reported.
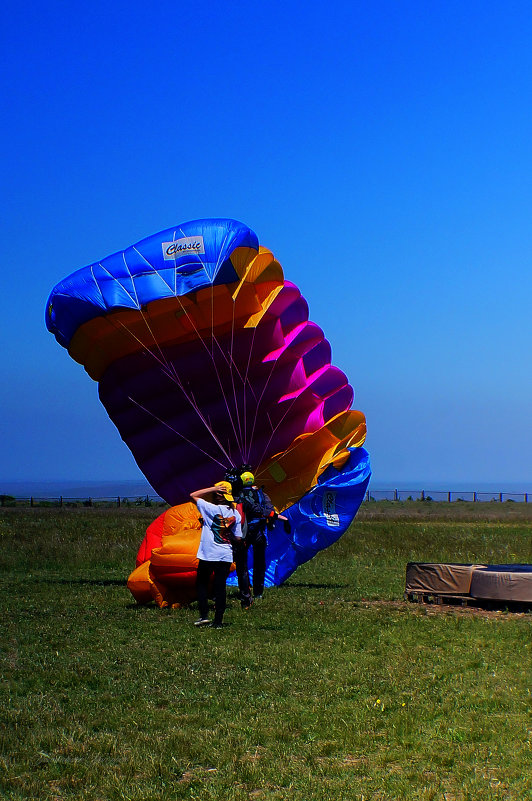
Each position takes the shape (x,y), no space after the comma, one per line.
(331,688)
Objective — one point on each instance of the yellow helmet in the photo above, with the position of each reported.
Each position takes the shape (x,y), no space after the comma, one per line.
(248,479)
(226,490)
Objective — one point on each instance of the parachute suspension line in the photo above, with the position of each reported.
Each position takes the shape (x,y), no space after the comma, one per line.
(180,230)
(154,270)
(167,368)
(273,429)
(163,359)
(205,421)
(169,371)
(98,285)
(175,258)
(247,385)
(105,270)
(257,408)
(213,338)
(277,426)
(215,342)
(182,436)
(242,435)
(126,265)
(228,357)
(293,446)
(207,349)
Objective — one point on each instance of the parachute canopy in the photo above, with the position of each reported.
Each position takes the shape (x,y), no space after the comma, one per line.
(206,359)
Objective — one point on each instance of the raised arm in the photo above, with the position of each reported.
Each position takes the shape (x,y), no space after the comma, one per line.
(201,492)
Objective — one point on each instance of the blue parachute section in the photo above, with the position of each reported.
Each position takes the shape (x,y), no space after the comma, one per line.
(173,262)
(318,519)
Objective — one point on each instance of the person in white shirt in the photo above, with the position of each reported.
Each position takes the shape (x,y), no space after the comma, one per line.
(221,527)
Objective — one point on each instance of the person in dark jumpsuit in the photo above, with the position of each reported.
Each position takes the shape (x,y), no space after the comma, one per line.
(258,513)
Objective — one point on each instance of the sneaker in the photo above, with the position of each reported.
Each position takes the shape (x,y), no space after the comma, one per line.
(203,621)
(216,625)
(258,597)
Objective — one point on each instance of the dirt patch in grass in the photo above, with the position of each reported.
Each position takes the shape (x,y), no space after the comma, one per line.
(448,609)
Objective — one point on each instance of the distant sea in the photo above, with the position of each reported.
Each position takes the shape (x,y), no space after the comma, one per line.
(453,486)
(140,488)
(78,489)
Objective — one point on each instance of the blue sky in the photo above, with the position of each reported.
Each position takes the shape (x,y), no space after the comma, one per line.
(382,150)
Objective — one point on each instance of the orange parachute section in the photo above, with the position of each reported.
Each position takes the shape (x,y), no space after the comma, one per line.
(166,561)
(287,475)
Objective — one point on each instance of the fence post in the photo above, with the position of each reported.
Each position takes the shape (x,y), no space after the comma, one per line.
(474,497)
(395,495)
(118,501)
(60,500)
(449,496)
(422,495)
(31,501)
(500,497)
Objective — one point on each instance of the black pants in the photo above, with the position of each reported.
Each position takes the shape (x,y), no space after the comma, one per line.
(221,572)
(257,540)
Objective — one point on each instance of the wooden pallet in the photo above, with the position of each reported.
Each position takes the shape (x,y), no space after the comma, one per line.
(424,597)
